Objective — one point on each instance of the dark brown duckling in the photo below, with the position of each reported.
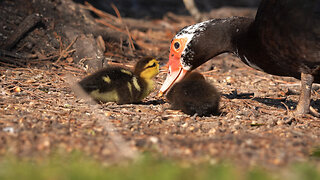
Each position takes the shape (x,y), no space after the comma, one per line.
(120,85)
(193,95)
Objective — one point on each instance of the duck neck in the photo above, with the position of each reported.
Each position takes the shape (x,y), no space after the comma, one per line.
(239,29)
(224,37)
(245,43)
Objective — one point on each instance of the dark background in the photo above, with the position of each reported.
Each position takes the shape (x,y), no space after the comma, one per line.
(157,8)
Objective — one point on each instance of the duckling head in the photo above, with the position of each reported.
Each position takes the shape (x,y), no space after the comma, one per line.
(147,68)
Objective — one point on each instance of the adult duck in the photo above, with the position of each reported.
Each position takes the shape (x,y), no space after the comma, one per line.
(283,40)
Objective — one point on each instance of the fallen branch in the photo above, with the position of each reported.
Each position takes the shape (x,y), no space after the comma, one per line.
(28,23)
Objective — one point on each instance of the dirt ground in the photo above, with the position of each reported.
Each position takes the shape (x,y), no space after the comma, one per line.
(40,113)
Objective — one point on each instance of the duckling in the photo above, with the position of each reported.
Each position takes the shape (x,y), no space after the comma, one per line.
(120,85)
(194,95)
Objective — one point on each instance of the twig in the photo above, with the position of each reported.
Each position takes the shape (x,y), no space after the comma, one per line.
(117,12)
(314,112)
(211,71)
(288,110)
(98,12)
(127,29)
(6,60)
(121,64)
(112,55)
(193,10)
(65,52)
(101,21)
(278,80)
(16,55)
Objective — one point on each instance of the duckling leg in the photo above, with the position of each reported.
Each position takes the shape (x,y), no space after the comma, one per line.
(303,106)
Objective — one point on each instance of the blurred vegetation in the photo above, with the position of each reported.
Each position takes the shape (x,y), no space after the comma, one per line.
(77,166)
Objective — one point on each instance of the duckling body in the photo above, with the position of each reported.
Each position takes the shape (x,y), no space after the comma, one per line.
(120,85)
(194,95)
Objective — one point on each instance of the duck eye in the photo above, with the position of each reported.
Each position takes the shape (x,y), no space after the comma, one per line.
(176,45)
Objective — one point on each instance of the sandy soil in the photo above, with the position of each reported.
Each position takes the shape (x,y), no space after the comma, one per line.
(254,127)
(40,113)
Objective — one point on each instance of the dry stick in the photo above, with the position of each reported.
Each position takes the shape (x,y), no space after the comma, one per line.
(112,55)
(101,21)
(11,62)
(314,112)
(17,55)
(211,71)
(65,51)
(288,110)
(120,64)
(60,41)
(123,147)
(99,12)
(110,17)
(28,23)
(132,23)
(130,39)
(127,29)
(193,10)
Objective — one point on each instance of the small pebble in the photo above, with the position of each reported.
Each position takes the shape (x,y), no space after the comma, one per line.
(154,139)
(184,125)
(8,129)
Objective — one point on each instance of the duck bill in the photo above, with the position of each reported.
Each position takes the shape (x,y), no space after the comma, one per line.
(173,77)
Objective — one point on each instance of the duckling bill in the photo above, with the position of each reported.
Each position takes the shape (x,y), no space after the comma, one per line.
(194,95)
(120,85)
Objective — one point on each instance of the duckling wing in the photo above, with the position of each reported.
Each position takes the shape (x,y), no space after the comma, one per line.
(126,84)
(102,80)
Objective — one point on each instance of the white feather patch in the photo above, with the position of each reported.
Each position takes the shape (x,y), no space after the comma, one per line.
(189,33)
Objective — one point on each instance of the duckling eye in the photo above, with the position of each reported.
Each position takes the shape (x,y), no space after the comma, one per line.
(176,45)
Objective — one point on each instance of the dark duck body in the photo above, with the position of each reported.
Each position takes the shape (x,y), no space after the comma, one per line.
(283,39)
(193,95)
(121,85)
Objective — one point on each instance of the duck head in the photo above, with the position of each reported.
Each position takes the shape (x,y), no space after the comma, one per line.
(193,46)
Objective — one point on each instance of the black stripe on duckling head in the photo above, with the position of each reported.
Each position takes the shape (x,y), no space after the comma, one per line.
(194,95)
(145,63)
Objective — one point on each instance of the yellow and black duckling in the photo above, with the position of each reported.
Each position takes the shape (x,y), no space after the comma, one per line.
(120,85)
(194,95)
